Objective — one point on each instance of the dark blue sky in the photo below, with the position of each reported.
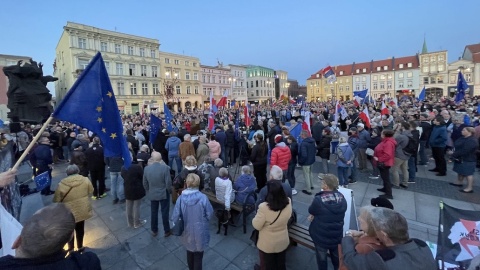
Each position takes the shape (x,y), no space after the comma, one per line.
(299,37)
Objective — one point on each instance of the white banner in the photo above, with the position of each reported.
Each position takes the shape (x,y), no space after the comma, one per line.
(10,229)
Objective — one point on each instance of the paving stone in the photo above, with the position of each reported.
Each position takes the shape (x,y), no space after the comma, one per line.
(215,260)
(150,254)
(169,261)
(95,229)
(247,259)
(139,241)
(126,264)
(230,248)
(113,255)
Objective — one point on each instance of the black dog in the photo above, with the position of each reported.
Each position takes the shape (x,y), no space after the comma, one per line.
(223,219)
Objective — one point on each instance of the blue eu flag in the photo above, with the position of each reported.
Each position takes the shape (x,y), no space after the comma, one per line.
(421,96)
(90,103)
(168,117)
(462,86)
(155,126)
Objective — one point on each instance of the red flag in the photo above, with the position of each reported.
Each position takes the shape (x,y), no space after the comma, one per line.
(384,108)
(211,119)
(223,101)
(364,116)
(247,116)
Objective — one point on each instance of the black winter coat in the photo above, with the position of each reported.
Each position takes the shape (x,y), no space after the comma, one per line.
(324,147)
(74,261)
(133,182)
(95,158)
(230,134)
(293,152)
(259,155)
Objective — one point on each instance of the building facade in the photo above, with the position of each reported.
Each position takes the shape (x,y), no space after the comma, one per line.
(472,53)
(433,73)
(260,84)
(238,74)
(342,89)
(281,84)
(315,90)
(382,78)
(181,74)
(467,68)
(407,75)
(361,78)
(295,90)
(216,79)
(7,60)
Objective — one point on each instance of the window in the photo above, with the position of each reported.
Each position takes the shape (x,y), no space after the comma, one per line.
(357,71)
(375,77)
(187,75)
(389,85)
(144,70)
(433,79)
(103,46)
(400,75)
(187,63)
(82,43)
(382,85)
(133,89)
(409,74)
(409,65)
(107,66)
(341,72)
(364,79)
(425,69)
(389,76)
(347,88)
(154,71)
(120,88)
(131,69)
(177,75)
(357,79)
(203,79)
(409,84)
(425,59)
(400,66)
(179,89)
(256,83)
(425,80)
(144,89)
(347,80)
(130,50)
(142,52)
(118,48)
(468,77)
(453,78)
(257,92)
(385,67)
(82,63)
(195,76)
(189,90)
(152,53)
(155,89)
(375,86)
(364,70)
(196,90)
(432,59)
(119,68)
(357,87)
(379,68)
(341,87)
(440,67)
(167,60)
(340,81)
(382,77)
(440,58)
(251,84)
(400,84)
(194,64)
(176,62)
(440,79)
(364,86)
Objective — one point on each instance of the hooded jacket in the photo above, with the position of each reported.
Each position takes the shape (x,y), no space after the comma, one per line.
(328,210)
(73,191)
(243,186)
(306,153)
(215,149)
(196,211)
(173,146)
(280,156)
(385,151)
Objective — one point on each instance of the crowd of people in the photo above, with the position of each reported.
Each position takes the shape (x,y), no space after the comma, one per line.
(179,165)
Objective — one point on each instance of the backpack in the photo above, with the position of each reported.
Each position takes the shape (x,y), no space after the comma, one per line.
(411,147)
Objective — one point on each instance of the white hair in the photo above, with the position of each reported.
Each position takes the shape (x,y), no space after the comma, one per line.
(276,173)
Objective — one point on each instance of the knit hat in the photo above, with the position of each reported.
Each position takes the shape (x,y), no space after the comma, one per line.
(278,138)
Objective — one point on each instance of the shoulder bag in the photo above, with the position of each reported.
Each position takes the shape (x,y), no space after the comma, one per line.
(255,233)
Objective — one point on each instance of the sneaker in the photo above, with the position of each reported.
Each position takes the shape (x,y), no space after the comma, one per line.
(307,192)
(94,198)
(103,195)
(403,186)
(411,181)
(142,222)
(352,181)
(294,191)
(373,177)
(115,201)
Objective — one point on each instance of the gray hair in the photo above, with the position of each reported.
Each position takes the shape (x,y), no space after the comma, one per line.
(80,136)
(72,169)
(276,173)
(144,148)
(187,137)
(246,169)
(342,140)
(223,172)
(392,223)
(218,162)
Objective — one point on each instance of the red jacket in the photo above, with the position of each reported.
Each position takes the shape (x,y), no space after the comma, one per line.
(385,151)
(280,156)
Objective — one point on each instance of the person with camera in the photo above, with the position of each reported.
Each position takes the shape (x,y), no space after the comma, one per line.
(465,159)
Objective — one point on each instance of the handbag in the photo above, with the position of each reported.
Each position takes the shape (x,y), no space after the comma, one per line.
(255,232)
(381,165)
(178,225)
(369,151)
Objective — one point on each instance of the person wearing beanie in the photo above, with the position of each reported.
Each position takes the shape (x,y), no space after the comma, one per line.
(280,155)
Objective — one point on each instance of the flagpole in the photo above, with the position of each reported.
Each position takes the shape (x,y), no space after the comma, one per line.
(442,244)
(32,143)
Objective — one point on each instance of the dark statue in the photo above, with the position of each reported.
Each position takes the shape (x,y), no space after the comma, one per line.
(28,95)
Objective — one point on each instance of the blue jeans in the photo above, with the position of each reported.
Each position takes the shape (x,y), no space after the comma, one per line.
(412,168)
(353,175)
(321,255)
(177,160)
(421,153)
(342,176)
(165,208)
(66,152)
(116,186)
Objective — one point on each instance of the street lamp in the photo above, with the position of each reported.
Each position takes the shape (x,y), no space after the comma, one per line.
(231,79)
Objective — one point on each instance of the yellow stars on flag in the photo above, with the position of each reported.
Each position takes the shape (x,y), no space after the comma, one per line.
(113,136)
(109,94)
(104,130)
(99,109)
(99,120)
